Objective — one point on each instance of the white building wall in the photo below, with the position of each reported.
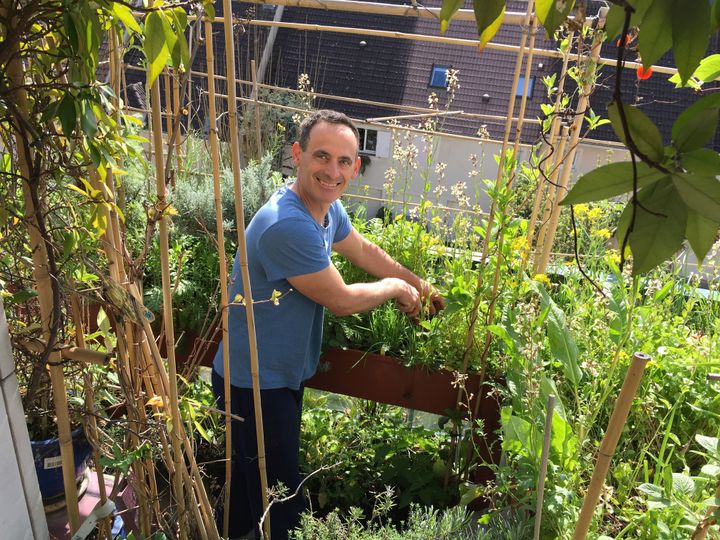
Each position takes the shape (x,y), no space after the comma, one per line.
(21,510)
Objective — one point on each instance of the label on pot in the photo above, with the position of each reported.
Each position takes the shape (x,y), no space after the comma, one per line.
(53,462)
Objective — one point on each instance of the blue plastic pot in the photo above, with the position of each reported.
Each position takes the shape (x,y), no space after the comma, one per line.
(48,464)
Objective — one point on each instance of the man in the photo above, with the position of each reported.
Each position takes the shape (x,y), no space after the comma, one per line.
(289,243)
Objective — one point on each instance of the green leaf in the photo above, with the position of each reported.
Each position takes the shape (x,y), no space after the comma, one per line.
(710,444)
(125,15)
(610,181)
(448,9)
(488,17)
(67,114)
(155,46)
(690,34)
(88,122)
(651,490)
(655,32)
(616,17)
(643,131)
(701,233)
(659,225)
(562,344)
(701,193)
(180,52)
(709,68)
(547,387)
(550,16)
(683,485)
(697,124)
(702,161)
(563,442)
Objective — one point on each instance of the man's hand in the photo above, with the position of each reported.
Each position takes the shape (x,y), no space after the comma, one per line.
(407,297)
(432,300)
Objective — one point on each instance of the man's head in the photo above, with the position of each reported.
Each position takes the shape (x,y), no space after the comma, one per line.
(328,116)
(326,157)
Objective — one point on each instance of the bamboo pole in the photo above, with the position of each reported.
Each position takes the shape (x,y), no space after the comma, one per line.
(177,111)
(91,429)
(215,156)
(242,253)
(544,464)
(167,309)
(582,107)
(609,442)
(546,205)
(523,100)
(554,128)
(256,108)
(43,283)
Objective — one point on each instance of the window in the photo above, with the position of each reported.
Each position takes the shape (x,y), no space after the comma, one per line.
(368,141)
(438,77)
(521,87)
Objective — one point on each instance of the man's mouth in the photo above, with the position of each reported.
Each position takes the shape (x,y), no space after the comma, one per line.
(327,184)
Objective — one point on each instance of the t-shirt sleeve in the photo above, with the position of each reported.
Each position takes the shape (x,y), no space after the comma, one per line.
(292,247)
(343,226)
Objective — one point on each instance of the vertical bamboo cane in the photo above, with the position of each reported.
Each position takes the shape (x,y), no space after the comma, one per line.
(609,443)
(523,100)
(177,111)
(215,155)
(242,253)
(42,278)
(544,464)
(583,105)
(256,107)
(554,127)
(167,309)
(104,527)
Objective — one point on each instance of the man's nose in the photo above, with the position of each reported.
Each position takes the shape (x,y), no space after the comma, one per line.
(332,169)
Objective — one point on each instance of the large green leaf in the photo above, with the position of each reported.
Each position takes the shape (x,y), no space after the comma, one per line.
(155,46)
(179,52)
(703,161)
(448,9)
(616,17)
(125,15)
(563,442)
(562,344)
(701,193)
(696,125)
(67,114)
(610,181)
(690,34)
(708,70)
(550,16)
(659,228)
(488,16)
(547,387)
(643,131)
(655,32)
(701,232)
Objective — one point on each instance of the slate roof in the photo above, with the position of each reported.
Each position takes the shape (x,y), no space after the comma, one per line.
(397,71)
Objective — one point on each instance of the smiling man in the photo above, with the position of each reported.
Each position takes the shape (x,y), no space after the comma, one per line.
(289,244)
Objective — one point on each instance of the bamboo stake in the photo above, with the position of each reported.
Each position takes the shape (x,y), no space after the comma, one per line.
(582,107)
(242,253)
(544,464)
(215,156)
(177,110)
(554,127)
(42,278)
(167,309)
(609,442)
(90,421)
(523,100)
(256,108)
(551,191)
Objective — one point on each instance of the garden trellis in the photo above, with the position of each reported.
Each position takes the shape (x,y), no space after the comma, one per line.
(152,388)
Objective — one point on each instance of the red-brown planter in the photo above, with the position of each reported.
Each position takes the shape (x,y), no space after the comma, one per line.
(386,380)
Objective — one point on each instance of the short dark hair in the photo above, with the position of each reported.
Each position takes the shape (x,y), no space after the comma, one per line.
(324,115)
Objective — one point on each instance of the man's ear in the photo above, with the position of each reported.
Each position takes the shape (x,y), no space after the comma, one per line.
(296,153)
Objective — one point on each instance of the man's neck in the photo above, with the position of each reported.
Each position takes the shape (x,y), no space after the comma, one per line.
(318,213)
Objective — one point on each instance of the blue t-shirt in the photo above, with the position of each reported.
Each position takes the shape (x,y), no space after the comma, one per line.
(283,240)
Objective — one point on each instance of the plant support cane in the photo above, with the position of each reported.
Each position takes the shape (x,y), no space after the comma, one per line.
(609,442)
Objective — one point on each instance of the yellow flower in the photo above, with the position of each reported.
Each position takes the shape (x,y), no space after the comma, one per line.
(542,278)
(519,244)
(435,220)
(580,210)
(603,233)
(613,256)
(594,213)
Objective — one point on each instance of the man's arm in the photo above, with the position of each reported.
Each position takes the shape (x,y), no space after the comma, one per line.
(327,288)
(373,259)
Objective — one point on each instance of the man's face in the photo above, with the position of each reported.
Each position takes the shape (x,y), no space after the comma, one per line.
(327,165)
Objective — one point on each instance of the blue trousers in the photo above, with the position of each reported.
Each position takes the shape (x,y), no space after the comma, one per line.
(281,412)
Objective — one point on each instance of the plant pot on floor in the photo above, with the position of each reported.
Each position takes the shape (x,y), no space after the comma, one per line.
(48,463)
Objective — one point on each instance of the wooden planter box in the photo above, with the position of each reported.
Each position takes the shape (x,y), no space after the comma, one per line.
(386,380)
